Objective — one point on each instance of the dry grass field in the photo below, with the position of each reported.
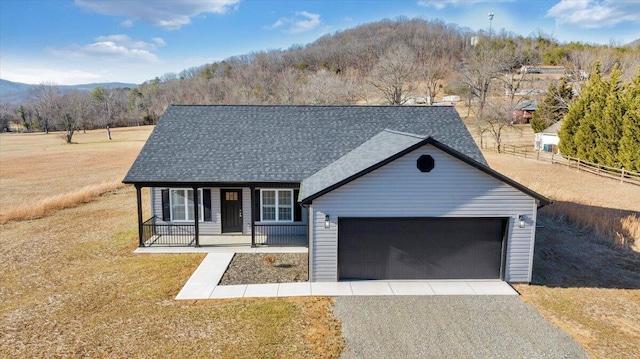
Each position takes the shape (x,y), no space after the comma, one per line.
(71,287)
(586,277)
(44,173)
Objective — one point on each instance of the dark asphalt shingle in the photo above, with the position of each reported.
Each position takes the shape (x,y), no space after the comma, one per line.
(229,143)
(377,149)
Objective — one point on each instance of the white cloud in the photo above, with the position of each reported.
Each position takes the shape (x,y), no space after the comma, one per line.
(301,22)
(595,14)
(170,15)
(117,47)
(159,41)
(37,75)
(127,23)
(305,21)
(441,4)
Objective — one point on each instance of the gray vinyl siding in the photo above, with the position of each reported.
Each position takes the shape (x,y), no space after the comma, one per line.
(206,227)
(452,189)
(215,226)
(246,211)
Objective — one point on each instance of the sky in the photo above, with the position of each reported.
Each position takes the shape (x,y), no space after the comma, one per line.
(69,42)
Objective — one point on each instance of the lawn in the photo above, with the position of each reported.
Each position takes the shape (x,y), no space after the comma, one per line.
(586,277)
(71,287)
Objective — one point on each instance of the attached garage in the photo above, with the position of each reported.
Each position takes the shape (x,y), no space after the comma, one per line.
(421,248)
(402,206)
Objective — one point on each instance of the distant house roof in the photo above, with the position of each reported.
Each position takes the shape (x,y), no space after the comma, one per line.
(271,144)
(527,105)
(381,149)
(553,129)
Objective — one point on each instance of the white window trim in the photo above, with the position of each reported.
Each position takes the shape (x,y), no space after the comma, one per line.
(276,190)
(186,210)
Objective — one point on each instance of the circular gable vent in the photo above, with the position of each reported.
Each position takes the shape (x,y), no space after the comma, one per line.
(425,163)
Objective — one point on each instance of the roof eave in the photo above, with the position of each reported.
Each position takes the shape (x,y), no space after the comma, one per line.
(204,184)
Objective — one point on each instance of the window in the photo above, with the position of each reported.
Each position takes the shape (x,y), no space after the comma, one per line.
(276,205)
(182,205)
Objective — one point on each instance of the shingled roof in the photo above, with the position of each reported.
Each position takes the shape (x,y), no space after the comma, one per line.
(272,144)
(374,151)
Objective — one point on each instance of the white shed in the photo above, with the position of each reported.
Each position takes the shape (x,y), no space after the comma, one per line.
(547,140)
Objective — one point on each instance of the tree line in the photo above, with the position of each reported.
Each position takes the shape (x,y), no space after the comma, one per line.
(603,124)
(390,61)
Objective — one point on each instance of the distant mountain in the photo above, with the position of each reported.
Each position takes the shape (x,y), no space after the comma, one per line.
(633,43)
(16,93)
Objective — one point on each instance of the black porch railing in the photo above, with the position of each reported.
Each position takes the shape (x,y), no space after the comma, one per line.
(160,234)
(281,234)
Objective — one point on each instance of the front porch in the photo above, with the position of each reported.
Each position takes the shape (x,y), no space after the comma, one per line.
(157,233)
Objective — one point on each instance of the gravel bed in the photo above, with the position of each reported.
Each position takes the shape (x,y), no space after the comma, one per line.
(252,268)
(449,327)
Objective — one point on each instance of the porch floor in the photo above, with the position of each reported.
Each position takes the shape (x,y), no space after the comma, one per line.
(220,243)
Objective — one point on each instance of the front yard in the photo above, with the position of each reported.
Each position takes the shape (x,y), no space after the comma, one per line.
(71,287)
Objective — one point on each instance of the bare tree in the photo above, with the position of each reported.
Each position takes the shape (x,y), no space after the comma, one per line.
(46,101)
(394,74)
(7,113)
(513,82)
(76,108)
(327,88)
(484,63)
(103,100)
(432,70)
(496,121)
(289,84)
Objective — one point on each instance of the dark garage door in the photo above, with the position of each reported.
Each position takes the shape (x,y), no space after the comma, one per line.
(420,248)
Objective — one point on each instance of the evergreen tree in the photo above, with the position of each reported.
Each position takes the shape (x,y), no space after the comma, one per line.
(577,131)
(608,128)
(553,107)
(629,151)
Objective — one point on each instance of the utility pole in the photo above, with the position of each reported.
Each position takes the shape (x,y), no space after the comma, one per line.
(490,16)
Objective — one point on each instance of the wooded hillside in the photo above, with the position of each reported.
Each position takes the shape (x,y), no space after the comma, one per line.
(400,61)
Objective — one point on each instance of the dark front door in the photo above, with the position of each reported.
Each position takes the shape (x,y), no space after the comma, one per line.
(421,248)
(231,202)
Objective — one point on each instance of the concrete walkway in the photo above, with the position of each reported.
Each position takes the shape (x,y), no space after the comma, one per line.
(203,284)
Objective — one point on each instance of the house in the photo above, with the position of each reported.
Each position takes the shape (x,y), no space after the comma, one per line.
(547,140)
(523,111)
(542,70)
(375,192)
(451,98)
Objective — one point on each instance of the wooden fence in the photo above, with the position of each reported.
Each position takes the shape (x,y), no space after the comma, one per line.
(619,174)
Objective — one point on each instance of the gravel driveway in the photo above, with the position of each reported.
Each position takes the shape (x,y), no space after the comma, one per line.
(449,327)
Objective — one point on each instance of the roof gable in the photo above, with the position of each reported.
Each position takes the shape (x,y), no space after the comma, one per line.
(381,150)
(374,152)
(553,129)
(271,144)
